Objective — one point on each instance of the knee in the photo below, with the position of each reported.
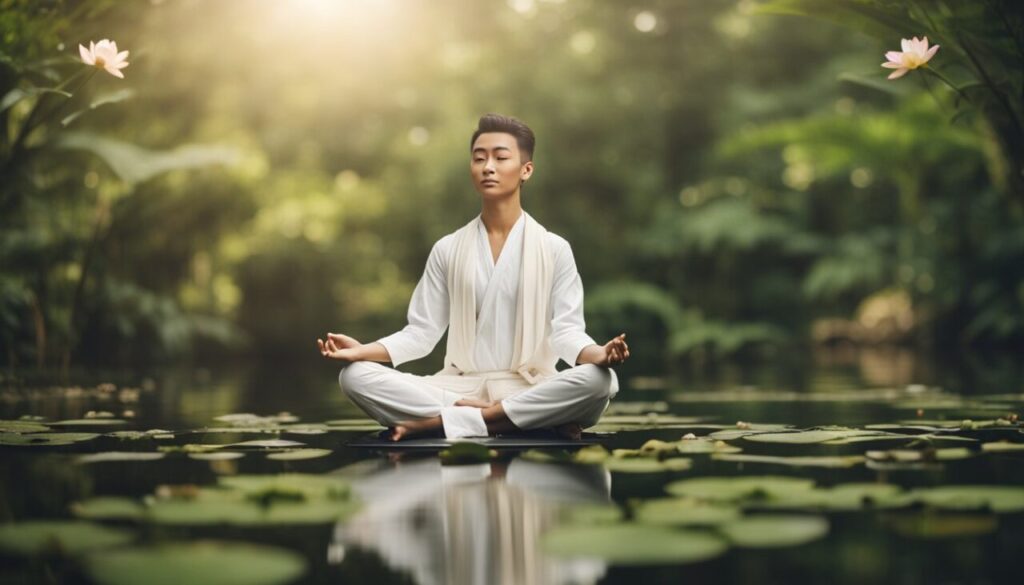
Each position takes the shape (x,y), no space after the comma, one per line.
(352,378)
(598,382)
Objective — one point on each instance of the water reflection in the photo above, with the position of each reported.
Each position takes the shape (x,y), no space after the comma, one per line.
(472,523)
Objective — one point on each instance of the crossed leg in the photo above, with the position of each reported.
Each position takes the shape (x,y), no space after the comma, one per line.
(569,401)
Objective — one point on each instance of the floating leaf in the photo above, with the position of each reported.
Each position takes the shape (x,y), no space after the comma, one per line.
(108,508)
(774,531)
(800,461)
(466,452)
(731,489)
(973,497)
(623,407)
(58,537)
(812,436)
(646,465)
(1003,447)
(312,486)
(90,422)
(923,455)
(44,439)
(299,454)
(592,514)
(591,454)
(633,544)
(266,444)
(683,512)
(207,562)
(703,445)
(119,456)
(216,456)
(21,426)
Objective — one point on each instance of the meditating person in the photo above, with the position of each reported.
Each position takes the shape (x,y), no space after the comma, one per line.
(511,298)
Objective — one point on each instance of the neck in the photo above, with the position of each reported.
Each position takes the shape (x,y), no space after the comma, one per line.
(500,215)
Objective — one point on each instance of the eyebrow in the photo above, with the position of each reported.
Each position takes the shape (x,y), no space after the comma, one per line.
(482,149)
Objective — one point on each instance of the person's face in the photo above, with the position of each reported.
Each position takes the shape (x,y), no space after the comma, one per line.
(496,166)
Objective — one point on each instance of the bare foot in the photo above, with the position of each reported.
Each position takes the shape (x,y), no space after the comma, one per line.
(474,403)
(571,431)
(412,428)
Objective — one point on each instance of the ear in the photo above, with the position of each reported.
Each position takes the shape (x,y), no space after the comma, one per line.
(526,171)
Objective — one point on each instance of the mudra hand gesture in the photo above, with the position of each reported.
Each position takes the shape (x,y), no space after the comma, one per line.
(615,351)
(339,347)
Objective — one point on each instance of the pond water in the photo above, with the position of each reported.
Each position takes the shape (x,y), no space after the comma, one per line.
(847,467)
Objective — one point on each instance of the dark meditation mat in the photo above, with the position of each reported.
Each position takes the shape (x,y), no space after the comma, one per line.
(379,441)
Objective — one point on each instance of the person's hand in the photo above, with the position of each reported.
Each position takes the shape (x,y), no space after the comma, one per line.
(338,347)
(615,351)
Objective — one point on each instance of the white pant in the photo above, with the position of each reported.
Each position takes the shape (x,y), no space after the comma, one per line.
(576,395)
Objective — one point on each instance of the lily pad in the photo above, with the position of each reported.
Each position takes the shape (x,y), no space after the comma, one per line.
(216,456)
(797,461)
(22,426)
(1003,447)
(683,512)
(299,454)
(731,434)
(267,444)
(119,456)
(633,544)
(623,407)
(705,445)
(90,422)
(310,485)
(466,452)
(592,514)
(212,512)
(921,455)
(973,497)
(774,531)
(647,465)
(213,563)
(58,537)
(108,508)
(840,498)
(44,439)
(810,436)
(732,489)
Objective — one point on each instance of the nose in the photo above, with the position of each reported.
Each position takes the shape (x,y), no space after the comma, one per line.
(489,166)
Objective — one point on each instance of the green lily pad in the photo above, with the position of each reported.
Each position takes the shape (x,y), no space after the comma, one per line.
(797,461)
(44,439)
(774,531)
(310,485)
(466,452)
(592,514)
(220,511)
(208,562)
(354,422)
(1002,447)
(543,456)
(683,512)
(811,436)
(248,419)
(623,407)
(22,426)
(90,422)
(299,454)
(921,456)
(305,429)
(108,508)
(899,438)
(931,526)
(633,544)
(646,465)
(119,456)
(732,489)
(731,434)
(58,537)
(705,445)
(591,454)
(267,444)
(840,498)
(216,456)
(973,497)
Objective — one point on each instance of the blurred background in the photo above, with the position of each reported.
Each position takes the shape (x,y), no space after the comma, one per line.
(738,179)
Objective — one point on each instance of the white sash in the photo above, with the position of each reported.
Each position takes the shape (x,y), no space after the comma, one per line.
(532,356)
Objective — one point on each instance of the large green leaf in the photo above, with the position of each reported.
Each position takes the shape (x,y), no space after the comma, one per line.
(633,544)
(207,562)
(134,164)
(58,537)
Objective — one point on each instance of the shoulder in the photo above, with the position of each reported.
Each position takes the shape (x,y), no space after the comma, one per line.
(560,249)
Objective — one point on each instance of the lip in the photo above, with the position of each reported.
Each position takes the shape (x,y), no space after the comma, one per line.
(488,182)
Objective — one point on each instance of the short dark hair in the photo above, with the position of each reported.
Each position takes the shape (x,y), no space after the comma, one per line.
(508,125)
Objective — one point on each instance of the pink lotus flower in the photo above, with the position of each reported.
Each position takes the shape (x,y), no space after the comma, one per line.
(104,55)
(916,53)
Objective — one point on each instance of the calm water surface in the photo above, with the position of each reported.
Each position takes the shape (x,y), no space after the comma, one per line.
(423,522)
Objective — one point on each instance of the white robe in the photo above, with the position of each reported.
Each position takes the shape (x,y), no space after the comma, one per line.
(496,288)
(579,394)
